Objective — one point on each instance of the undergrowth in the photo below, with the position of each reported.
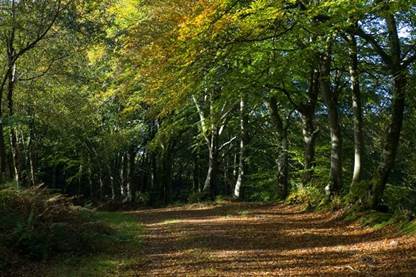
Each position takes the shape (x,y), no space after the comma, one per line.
(37,226)
(401,210)
(117,259)
(310,196)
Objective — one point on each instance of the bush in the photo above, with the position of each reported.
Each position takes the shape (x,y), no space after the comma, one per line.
(37,224)
(399,198)
(142,198)
(310,195)
(336,203)
(358,197)
(196,197)
(260,187)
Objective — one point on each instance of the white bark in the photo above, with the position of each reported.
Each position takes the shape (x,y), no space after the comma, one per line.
(240,175)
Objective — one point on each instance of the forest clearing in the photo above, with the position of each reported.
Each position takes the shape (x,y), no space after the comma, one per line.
(207,138)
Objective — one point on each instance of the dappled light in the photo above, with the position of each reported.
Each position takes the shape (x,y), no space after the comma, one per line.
(253,239)
(207,138)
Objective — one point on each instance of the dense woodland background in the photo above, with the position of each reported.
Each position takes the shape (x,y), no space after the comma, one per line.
(155,102)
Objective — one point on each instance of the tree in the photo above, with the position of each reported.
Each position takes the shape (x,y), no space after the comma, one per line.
(397,64)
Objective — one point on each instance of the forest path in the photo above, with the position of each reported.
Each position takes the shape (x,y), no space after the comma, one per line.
(241,239)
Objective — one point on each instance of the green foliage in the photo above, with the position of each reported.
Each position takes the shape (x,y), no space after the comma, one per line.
(336,203)
(311,196)
(401,219)
(222,199)
(395,197)
(409,228)
(196,197)
(261,187)
(358,195)
(142,198)
(376,219)
(399,198)
(103,102)
(38,225)
(122,250)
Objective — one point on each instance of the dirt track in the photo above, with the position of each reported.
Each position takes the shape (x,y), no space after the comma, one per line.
(257,240)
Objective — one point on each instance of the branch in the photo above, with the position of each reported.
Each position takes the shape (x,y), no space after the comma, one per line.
(202,119)
(288,120)
(224,119)
(3,83)
(274,114)
(410,60)
(287,93)
(32,44)
(370,39)
(225,115)
(43,73)
(261,38)
(227,143)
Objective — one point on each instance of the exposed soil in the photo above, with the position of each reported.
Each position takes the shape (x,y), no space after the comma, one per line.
(240,239)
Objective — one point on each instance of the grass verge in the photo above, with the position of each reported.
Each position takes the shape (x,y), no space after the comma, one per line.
(119,257)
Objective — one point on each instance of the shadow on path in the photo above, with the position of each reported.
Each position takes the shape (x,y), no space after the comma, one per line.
(240,239)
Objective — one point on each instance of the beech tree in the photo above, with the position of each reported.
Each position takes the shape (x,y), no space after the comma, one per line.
(154,102)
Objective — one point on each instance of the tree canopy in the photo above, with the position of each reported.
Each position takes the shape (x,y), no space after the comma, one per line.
(153,102)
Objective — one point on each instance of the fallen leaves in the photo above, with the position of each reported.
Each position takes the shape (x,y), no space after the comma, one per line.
(238,239)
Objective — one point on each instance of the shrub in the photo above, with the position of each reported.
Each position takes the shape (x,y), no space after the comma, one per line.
(197,197)
(310,195)
(336,203)
(260,187)
(400,198)
(142,198)
(37,224)
(409,228)
(358,197)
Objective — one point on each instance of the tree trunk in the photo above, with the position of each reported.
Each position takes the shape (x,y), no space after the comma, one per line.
(357,111)
(32,152)
(112,185)
(309,140)
(101,182)
(166,160)
(335,178)
(210,135)
(241,163)
(3,159)
(90,181)
(392,140)
(13,135)
(282,160)
(210,180)
(307,111)
(283,165)
(195,173)
(80,174)
(122,174)
(391,144)
(132,176)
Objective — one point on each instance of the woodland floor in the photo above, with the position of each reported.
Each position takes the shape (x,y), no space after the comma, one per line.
(239,239)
